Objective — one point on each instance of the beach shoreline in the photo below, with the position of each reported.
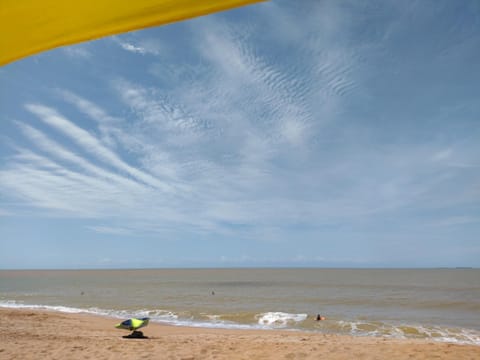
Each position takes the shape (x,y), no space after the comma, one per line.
(40,334)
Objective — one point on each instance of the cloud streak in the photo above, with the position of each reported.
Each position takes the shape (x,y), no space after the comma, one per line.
(91,144)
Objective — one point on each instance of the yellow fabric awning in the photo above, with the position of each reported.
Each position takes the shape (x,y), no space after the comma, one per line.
(31,26)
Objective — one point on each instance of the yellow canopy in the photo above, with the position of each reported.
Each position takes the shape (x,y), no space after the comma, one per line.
(31,26)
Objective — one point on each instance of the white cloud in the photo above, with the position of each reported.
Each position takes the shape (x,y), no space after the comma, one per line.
(108,126)
(91,144)
(146,46)
(133,48)
(87,107)
(78,52)
(111,230)
(57,151)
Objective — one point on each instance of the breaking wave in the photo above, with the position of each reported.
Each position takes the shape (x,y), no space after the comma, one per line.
(275,320)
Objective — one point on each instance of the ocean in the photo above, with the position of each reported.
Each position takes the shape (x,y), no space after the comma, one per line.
(436,304)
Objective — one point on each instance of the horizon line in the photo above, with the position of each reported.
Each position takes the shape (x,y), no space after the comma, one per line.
(247,268)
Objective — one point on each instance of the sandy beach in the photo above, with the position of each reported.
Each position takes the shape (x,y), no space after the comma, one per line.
(32,334)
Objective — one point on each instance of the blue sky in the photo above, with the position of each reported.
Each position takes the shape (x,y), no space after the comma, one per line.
(289,133)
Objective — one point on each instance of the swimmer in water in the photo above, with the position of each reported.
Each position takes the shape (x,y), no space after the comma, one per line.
(320,317)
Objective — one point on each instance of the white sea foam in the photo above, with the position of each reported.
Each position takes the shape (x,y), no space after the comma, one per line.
(279,319)
(159,315)
(17,305)
(451,335)
(405,331)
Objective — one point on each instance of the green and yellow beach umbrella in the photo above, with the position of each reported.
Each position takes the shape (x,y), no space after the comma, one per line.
(28,27)
(133,324)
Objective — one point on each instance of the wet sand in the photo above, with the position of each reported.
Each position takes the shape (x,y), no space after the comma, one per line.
(32,334)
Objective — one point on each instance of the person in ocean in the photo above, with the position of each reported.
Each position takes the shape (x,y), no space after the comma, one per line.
(319,317)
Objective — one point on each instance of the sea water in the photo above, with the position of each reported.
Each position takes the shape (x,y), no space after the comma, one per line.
(436,304)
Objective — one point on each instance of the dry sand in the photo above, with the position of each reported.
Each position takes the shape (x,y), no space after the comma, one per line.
(27,334)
